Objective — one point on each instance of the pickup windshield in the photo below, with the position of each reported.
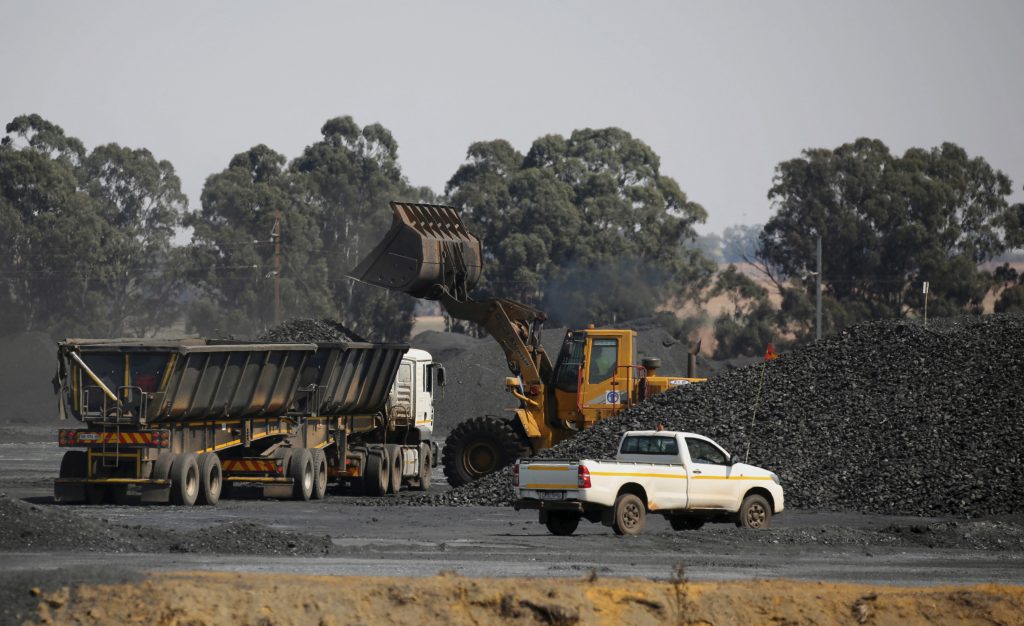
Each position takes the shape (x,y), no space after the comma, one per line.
(649,444)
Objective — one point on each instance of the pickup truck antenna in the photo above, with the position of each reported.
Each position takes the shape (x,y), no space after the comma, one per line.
(768,356)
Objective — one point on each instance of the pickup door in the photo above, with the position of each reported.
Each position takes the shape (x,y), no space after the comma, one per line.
(656,462)
(711,485)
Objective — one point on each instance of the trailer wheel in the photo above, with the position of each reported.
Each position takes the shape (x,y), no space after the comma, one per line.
(74,464)
(185,479)
(628,515)
(211,478)
(426,463)
(319,474)
(375,478)
(300,469)
(480,446)
(395,463)
(755,513)
(562,523)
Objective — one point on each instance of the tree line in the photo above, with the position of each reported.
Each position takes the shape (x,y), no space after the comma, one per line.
(586,227)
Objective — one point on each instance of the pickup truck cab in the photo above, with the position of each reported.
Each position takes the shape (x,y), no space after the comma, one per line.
(685,477)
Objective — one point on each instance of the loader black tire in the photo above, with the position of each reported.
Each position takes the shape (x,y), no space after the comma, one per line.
(395,463)
(377,473)
(319,474)
(300,470)
(211,478)
(185,479)
(481,446)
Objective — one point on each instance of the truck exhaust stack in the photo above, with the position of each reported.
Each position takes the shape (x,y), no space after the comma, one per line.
(427,253)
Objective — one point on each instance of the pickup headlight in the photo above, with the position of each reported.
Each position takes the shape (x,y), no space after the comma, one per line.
(775,477)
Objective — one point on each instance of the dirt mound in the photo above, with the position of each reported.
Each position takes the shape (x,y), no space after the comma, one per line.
(222,598)
(31,527)
(888,417)
(28,365)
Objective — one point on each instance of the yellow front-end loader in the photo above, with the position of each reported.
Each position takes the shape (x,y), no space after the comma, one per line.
(429,253)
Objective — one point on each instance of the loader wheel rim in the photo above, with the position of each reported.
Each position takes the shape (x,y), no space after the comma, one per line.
(756,515)
(480,458)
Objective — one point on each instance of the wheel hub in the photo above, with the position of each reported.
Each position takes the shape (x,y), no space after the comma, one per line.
(480,459)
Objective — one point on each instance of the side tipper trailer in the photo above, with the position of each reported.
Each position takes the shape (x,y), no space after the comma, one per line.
(188,421)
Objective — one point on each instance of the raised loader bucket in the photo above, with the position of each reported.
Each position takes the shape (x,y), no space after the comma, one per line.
(428,253)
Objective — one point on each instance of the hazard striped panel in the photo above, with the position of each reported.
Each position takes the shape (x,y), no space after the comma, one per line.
(255,466)
(154,438)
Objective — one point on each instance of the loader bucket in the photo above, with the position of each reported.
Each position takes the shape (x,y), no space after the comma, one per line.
(428,253)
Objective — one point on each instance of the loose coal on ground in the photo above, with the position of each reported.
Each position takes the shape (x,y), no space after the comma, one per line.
(890,417)
(31,527)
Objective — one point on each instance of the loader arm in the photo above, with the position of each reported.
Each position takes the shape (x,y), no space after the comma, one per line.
(516,327)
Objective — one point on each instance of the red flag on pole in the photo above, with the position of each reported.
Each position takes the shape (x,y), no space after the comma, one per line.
(769,354)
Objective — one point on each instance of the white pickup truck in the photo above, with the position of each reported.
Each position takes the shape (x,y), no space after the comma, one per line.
(687,478)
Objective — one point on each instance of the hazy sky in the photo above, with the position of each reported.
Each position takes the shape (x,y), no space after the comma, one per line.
(723,91)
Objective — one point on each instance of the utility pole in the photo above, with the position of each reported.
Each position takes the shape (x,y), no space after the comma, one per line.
(276,236)
(819,290)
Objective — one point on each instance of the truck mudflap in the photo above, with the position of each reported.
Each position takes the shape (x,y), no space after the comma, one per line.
(427,253)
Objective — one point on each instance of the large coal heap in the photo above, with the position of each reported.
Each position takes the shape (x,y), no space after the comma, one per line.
(890,417)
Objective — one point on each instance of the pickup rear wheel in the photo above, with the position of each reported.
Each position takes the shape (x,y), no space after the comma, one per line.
(480,446)
(562,522)
(628,515)
(755,512)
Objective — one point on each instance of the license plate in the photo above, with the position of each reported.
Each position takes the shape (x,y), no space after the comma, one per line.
(552,495)
(88,437)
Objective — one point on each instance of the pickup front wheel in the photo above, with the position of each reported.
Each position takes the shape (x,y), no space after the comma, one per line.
(755,512)
(628,515)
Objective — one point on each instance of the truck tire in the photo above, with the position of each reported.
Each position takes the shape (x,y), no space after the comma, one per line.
(426,464)
(185,479)
(395,464)
(375,478)
(319,474)
(74,464)
(211,478)
(562,523)
(755,513)
(480,446)
(685,523)
(300,470)
(629,515)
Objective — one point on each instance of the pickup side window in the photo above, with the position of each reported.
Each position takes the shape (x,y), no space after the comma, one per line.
(649,445)
(703,452)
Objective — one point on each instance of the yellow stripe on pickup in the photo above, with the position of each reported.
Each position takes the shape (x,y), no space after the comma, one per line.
(548,468)
(732,477)
(637,474)
(545,486)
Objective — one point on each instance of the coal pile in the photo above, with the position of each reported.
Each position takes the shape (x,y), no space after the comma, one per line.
(31,527)
(890,417)
(302,330)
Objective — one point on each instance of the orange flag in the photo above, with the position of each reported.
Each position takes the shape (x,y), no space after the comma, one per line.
(769,354)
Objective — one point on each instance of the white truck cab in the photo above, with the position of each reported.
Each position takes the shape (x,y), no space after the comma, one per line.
(686,477)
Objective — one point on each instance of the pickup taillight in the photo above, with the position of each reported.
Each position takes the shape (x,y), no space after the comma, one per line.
(583,477)
(515,475)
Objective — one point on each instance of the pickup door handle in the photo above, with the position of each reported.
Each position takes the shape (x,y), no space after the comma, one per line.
(696,471)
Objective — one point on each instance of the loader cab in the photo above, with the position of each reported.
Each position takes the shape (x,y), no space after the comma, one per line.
(594,374)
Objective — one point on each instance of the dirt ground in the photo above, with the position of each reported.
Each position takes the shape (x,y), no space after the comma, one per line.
(197,598)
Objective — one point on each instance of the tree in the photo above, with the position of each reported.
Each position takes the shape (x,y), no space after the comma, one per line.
(750,325)
(888,223)
(141,204)
(348,178)
(231,259)
(585,227)
(741,243)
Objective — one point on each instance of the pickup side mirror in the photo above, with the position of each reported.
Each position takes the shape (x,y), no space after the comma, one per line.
(734,460)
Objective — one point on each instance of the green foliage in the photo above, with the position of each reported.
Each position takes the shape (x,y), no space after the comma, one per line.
(585,227)
(888,223)
(750,325)
(1011,284)
(86,236)
(740,243)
